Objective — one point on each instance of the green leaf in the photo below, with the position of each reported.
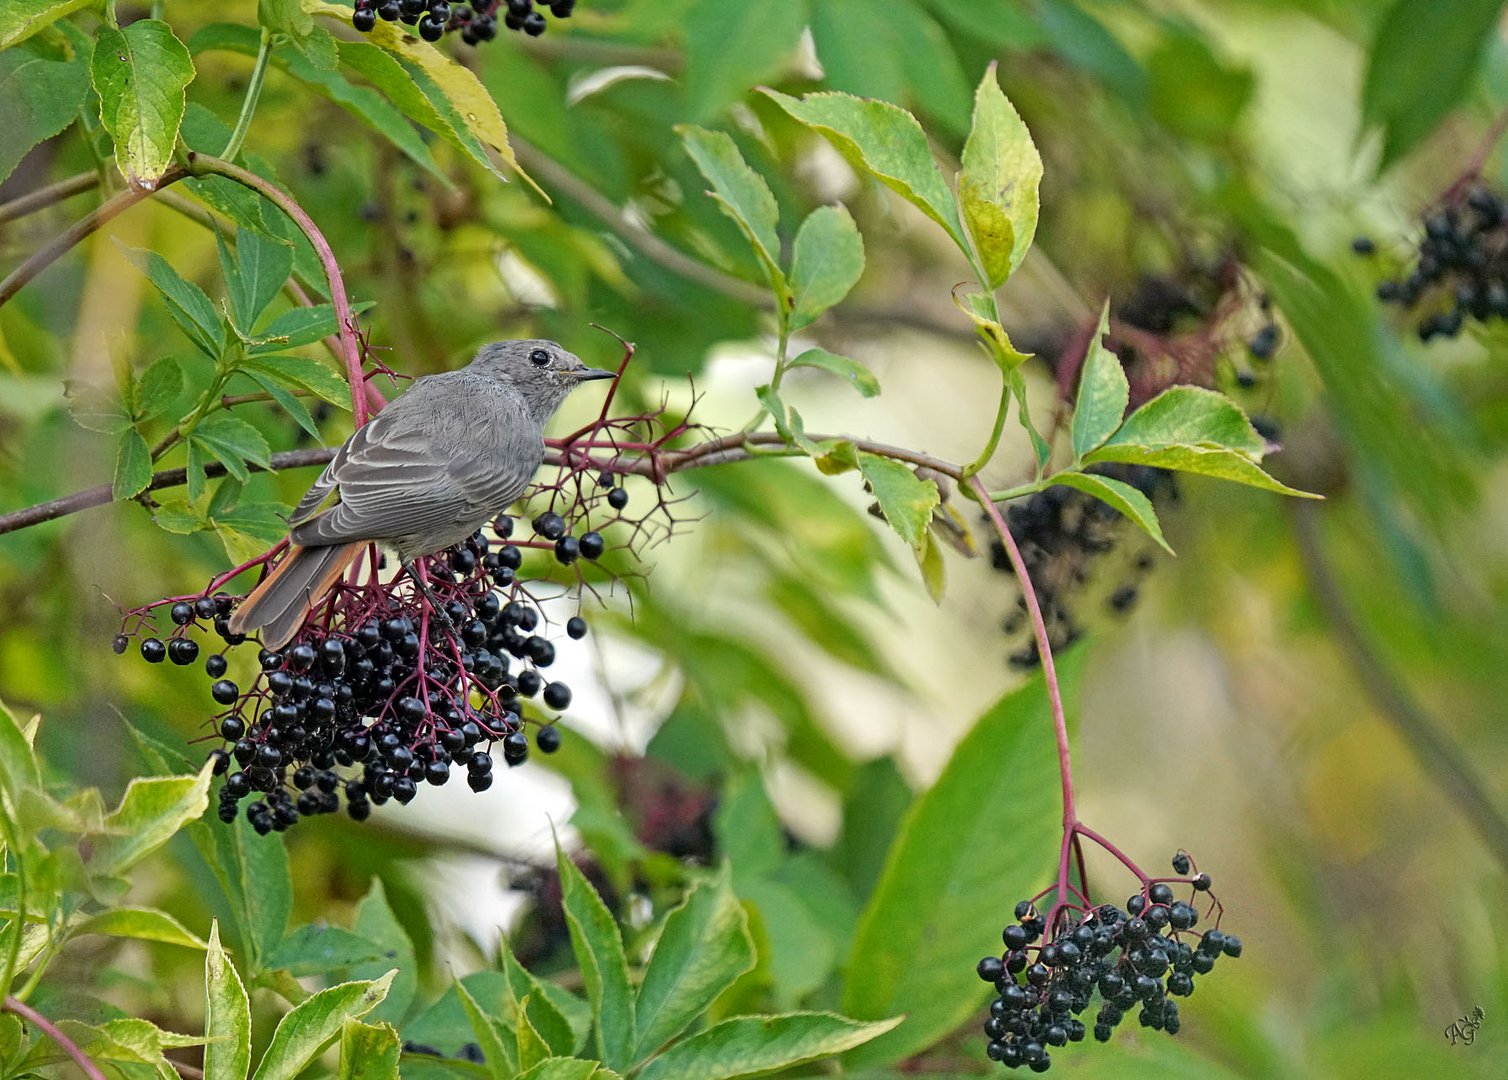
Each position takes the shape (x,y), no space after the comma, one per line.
(703,949)
(288,403)
(18,761)
(934,571)
(362,102)
(376,923)
(885,141)
(39,97)
(1215,461)
(906,500)
(315,1023)
(143,924)
(1190,416)
(997,188)
(95,409)
(752,1044)
(227,1016)
(186,303)
(979,308)
(252,873)
(1103,393)
(559,1068)
(501,1055)
(1406,98)
(151,811)
(1120,495)
(316,949)
(140,74)
(287,18)
(233,442)
(732,45)
(544,1014)
(302,372)
(740,191)
(456,93)
(368,1052)
(827,262)
(532,1048)
(259,269)
(851,371)
(297,326)
(159,388)
(604,968)
(133,465)
(19,19)
(973,833)
(179,518)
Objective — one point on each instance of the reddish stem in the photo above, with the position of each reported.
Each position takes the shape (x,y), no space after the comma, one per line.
(345,320)
(1049,670)
(53,1032)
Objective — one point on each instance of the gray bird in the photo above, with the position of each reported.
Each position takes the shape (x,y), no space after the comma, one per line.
(427,472)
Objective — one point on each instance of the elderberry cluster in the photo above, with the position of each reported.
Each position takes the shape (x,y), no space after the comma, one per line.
(1062,533)
(475,20)
(379,693)
(1460,271)
(1140,958)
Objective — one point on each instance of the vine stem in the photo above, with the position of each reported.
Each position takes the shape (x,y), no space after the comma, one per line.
(1049,669)
(350,347)
(55,1033)
(253,94)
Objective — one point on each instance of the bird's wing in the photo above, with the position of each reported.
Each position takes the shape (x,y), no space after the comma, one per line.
(393,475)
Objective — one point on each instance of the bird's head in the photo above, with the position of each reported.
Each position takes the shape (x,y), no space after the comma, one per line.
(543,372)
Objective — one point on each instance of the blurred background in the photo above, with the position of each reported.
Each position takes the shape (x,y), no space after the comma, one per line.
(1308,698)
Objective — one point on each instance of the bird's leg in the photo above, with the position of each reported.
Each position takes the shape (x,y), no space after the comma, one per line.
(416,572)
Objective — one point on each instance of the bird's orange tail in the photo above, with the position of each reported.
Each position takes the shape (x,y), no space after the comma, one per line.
(277,607)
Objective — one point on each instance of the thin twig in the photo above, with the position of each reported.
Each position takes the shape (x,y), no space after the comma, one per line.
(1432,746)
(556,175)
(112,207)
(55,1033)
(44,197)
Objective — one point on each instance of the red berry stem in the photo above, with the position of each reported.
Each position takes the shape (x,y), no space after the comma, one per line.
(362,391)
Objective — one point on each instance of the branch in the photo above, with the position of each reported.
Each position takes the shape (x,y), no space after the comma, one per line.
(738,447)
(167,478)
(44,197)
(53,1032)
(112,207)
(1433,748)
(631,232)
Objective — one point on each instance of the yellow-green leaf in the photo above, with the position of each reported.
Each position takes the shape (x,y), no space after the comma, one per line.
(997,188)
(140,74)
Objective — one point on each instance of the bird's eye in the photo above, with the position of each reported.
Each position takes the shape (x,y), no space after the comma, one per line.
(539,357)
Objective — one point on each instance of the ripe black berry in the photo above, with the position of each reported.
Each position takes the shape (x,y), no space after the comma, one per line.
(183,651)
(557,696)
(182,614)
(430,29)
(576,627)
(567,549)
(515,747)
(592,545)
(617,498)
(215,666)
(547,739)
(363,19)
(225,692)
(550,525)
(534,24)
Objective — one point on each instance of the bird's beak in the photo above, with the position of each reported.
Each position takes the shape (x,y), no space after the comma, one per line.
(588,374)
